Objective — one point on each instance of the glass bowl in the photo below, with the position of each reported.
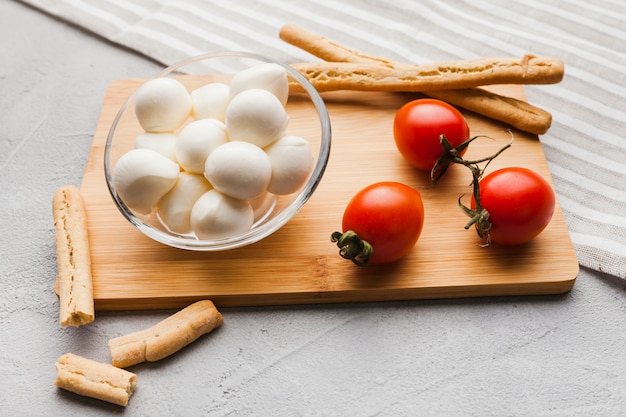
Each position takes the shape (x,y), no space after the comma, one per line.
(308,118)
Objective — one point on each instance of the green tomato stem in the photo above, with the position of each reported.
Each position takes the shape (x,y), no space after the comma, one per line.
(451,155)
(352,247)
(479,217)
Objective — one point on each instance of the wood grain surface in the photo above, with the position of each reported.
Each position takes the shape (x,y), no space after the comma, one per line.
(298,264)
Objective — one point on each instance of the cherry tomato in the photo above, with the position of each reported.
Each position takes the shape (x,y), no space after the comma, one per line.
(520,203)
(387,217)
(418,126)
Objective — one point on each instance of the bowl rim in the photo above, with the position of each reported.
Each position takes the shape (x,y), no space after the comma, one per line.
(256,233)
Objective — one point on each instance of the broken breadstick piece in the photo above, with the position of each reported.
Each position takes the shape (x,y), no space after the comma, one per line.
(74,280)
(517,113)
(166,337)
(95,379)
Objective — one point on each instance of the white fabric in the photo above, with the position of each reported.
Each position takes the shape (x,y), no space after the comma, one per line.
(585,147)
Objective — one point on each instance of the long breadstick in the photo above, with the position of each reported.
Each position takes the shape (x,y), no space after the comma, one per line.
(74,280)
(516,113)
(326,49)
(328,76)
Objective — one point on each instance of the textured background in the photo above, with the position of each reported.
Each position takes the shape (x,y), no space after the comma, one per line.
(520,356)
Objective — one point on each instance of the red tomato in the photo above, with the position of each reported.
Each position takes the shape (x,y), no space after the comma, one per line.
(418,126)
(520,203)
(388,216)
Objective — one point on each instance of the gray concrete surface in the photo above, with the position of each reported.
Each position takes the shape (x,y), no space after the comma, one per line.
(521,356)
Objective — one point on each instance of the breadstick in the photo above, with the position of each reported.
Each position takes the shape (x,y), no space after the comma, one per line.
(94,379)
(74,281)
(166,337)
(328,76)
(516,113)
(326,49)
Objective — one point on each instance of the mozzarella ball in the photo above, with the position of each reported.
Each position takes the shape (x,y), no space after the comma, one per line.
(174,208)
(142,176)
(218,216)
(292,163)
(268,76)
(162,105)
(256,116)
(163,143)
(239,169)
(262,205)
(196,141)
(210,101)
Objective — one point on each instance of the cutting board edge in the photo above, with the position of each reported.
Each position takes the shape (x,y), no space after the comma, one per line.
(556,287)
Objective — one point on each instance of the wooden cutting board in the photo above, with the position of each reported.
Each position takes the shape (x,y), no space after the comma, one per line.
(298,264)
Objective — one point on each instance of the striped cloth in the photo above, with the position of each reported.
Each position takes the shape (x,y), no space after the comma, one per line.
(585,147)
